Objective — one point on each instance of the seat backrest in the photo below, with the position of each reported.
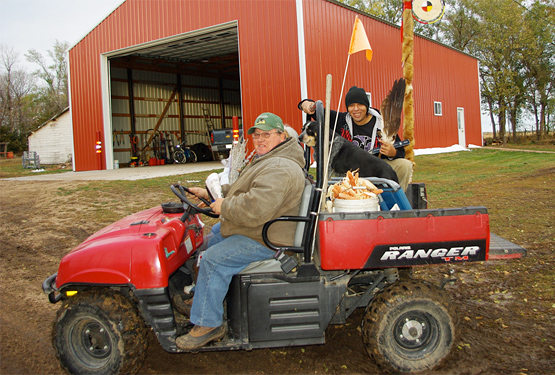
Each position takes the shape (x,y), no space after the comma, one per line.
(303,211)
(273,265)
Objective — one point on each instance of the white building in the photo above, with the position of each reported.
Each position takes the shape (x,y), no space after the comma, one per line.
(53,140)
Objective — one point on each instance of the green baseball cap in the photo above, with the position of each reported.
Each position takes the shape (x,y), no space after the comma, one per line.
(267,121)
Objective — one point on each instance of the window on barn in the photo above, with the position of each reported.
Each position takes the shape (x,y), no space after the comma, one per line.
(437,109)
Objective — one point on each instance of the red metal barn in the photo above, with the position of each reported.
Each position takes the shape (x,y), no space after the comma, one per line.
(174,69)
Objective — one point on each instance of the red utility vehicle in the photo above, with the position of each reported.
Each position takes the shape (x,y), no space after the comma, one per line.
(134,274)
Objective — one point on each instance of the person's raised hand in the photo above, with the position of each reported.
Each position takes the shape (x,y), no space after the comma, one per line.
(388,150)
(308,107)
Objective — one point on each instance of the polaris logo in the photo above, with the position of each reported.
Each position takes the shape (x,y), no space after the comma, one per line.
(459,253)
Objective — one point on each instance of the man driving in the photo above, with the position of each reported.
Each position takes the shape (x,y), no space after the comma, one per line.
(269,187)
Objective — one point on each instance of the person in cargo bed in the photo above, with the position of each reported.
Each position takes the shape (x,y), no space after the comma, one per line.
(358,125)
(269,187)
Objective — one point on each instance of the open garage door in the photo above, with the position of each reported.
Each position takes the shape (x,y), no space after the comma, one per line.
(169,94)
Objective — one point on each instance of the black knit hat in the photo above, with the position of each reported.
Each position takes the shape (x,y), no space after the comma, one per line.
(356,95)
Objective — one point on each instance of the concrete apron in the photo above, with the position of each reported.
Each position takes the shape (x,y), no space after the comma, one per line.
(137,173)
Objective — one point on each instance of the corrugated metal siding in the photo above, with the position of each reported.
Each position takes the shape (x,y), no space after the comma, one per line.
(452,79)
(440,74)
(86,107)
(268,56)
(152,91)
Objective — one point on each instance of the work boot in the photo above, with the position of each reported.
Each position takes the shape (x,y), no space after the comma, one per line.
(200,336)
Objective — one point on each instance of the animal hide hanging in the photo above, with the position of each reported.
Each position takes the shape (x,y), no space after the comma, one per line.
(391,109)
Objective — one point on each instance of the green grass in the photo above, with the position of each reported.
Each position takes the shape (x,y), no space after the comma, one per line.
(459,173)
(108,201)
(12,168)
(450,177)
(454,176)
(531,146)
(480,163)
(516,187)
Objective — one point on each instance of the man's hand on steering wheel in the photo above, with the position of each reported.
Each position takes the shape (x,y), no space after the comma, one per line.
(181,193)
(199,193)
(216,206)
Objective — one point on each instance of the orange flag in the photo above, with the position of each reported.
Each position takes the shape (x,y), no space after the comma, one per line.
(359,40)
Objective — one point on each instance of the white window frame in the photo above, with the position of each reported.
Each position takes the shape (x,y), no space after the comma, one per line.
(438,110)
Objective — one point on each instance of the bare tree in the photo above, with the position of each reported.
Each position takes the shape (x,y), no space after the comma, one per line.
(8,59)
(539,64)
(513,41)
(17,87)
(54,95)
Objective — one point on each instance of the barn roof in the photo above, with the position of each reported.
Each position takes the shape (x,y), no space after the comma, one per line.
(53,118)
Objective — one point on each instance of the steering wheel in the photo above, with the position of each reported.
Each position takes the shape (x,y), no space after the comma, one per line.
(180,191)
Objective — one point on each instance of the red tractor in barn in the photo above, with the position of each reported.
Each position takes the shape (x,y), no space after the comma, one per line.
(134,275)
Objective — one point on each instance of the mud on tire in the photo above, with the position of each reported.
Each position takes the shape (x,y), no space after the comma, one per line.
(98,332)
(410,327)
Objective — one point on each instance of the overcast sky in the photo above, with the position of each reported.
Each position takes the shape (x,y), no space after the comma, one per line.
(37,24)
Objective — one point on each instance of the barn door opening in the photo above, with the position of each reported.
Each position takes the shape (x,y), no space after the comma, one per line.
(160,92)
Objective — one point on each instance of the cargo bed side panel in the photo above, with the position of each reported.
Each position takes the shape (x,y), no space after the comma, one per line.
(403,238)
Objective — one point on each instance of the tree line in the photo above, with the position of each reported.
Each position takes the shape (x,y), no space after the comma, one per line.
(27,100)
(514,41)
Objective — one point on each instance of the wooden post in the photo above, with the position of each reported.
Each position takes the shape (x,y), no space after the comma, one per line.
(131,112)
(408,74)
(182,129)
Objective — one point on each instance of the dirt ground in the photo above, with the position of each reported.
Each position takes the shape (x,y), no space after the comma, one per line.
(506,308)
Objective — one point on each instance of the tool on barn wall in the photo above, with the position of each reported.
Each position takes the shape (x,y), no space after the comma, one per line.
(209,129)
(134,141)
(169,148)
(144,144)
(152,132)
(156,142)
(163,151)
(164,154)
(117,138)
(153,145)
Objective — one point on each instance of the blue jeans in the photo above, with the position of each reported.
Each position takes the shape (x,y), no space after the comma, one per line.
(224,258)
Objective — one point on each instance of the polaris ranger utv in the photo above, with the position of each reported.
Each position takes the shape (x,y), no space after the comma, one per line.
(132,275)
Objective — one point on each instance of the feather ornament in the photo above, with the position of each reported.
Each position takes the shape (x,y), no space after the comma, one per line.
(391,109)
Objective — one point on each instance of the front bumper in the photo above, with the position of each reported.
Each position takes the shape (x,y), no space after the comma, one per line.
(49,288)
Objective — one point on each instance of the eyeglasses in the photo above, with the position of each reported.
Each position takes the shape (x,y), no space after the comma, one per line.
(263,135)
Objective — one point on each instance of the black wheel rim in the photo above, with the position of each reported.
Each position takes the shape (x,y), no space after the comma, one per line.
(192,157)
(90,343)
(416,333)
(179,157)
